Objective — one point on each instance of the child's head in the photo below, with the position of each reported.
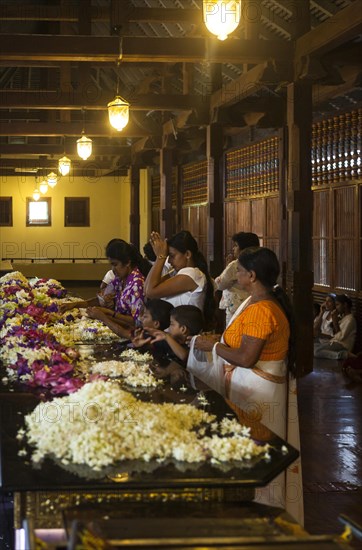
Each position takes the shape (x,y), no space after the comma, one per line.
(149,252)
(156,314)
(186,321)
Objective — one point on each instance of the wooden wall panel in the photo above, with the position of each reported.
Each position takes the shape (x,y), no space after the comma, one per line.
(261,216)
(155,218)
(272,217)
(237,218)
(322,250)
(194,219)
(258,218)
(345,238)
(243,216)
(272,224)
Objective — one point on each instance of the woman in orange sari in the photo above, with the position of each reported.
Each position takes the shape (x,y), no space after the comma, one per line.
(253,363)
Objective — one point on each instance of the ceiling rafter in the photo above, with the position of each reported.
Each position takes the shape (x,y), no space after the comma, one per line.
(339,29)
(49,129)
(17,47)
(72,100)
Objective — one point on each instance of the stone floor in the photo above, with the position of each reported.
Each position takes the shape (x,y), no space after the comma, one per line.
(330,413)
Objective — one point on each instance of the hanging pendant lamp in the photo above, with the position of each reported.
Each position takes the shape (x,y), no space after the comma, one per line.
(52,179)
(118,109)
(118,113)
(84,144)
(221,17)
(36,194)
(43,186)
(84,147)
(64,165)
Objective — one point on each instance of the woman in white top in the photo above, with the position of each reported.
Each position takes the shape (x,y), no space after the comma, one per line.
(232,293)
(189,283)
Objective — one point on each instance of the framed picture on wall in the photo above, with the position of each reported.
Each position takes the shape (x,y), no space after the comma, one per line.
(38,213)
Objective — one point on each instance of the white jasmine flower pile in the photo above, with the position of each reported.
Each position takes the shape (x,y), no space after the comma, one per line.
(134,374)
(135,355)
(81,329)
(100,425)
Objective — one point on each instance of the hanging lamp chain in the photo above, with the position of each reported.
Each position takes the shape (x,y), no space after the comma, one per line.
(83,117)
(120,56)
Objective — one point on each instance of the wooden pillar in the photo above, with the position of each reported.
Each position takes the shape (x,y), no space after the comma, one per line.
(134,218)
(297,246)
(166,225)
(179,201)
(299,204)
(215,213)
(283,225)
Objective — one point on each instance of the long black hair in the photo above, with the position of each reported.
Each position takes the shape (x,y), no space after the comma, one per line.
(184,241)
(265,265)
(124,252)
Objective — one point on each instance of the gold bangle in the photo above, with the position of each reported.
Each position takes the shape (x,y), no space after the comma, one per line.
(161,257)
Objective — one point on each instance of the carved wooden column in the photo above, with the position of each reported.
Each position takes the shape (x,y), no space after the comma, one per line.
(299,203)
(166,222)
(134,218)
(215,214)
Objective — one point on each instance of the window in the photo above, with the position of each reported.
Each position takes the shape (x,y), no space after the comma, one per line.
(6,211)
(76,212)
(38,212)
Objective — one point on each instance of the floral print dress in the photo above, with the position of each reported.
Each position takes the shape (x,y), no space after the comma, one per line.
(129,293)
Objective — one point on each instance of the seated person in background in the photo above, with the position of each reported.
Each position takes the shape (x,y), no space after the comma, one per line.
(340,345)
(232,293)
(184,321)
(156,315)
(323,324)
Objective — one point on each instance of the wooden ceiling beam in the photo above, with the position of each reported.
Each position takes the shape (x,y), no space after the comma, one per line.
(70,100)
(51,164)
(248,84)
(36,12)
(325,93)
(90,170)
(22,47)
(70,13)
(70,129)
(39,149)
(325,6)
(349,55)
(337,30)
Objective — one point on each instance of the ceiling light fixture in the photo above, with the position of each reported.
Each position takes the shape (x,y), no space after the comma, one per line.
(52,179)
(64,166)
(84,144)
(221,17)
(36,192)
(118,109)
(64,163)
(43,186)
